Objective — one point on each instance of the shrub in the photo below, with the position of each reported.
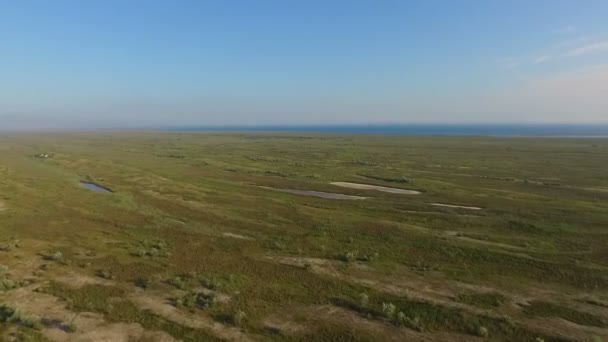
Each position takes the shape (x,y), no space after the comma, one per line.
(70,328)
(212,283)
(153,248)
(482,331)
(7,314)
(30,323)
(401,319)
(389,309)
(6,284)
(140,253)
(197,299)
(12,315)
(142,282)
(363,300)
(370,257)
(105,274)
(348,256)
(177,282)
(206,300)
(9,245)
(56,256)
(239,317)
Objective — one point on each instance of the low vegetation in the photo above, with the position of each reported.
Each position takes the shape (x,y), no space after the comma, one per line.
(545,309)
(164,249)
(483,300)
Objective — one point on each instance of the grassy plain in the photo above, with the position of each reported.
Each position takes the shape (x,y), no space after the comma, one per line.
(192,245)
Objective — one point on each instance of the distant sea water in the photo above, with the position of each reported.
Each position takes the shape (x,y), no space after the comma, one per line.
(589,131)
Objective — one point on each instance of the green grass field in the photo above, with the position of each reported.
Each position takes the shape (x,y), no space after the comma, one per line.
(192,245)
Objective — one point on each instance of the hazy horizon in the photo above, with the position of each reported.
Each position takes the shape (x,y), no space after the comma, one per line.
(138,64)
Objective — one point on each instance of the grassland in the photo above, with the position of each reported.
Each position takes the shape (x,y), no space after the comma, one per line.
(191,244)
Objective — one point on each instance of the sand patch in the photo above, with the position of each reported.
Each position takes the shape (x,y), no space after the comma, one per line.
(158,304)
(237,236)
(77,280)
(91,327)
(284,324)
(598,189)
(3,206)
(455,206)
(382,330)
(359,186)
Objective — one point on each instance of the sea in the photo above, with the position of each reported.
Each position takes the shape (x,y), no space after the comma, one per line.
(514,130)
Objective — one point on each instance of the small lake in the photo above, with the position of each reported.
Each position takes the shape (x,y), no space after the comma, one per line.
(95,187)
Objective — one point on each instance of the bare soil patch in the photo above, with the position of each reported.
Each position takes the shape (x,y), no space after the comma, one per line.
(237,236)
(383,331)
(90,327)
(77,280)
(158,304)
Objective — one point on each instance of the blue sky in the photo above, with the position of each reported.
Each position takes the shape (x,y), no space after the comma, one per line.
(157,63)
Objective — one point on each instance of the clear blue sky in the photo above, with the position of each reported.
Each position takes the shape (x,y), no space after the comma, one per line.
(149,63)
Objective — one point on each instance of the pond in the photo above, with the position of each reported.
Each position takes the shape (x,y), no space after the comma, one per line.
(329,195)
(95,187)
(376,187)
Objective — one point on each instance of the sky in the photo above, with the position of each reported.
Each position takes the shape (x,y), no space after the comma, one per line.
(155,63)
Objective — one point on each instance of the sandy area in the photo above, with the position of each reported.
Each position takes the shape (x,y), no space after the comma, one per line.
(455,206)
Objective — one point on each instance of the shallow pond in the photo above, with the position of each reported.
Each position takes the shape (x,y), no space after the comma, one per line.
(95,187)
(376,187)
(321,194)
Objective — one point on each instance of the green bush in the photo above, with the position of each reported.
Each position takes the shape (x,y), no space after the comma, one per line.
(389,309)
(363,300)
(193,299)
(55,256)
(105,274)
(239,317)
(482,331)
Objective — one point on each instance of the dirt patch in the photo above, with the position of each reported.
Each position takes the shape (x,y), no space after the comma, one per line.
(598,189)
(158,304)
(455,206)
(90,327)
(359,186)
(284,324)
(3,206)
(438,290)
(567,329)
(77,280)
(458,236)
(383,331)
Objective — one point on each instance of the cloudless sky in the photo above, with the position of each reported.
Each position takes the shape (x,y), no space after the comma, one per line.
(163,63)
